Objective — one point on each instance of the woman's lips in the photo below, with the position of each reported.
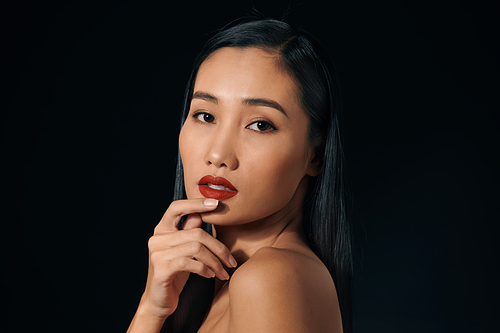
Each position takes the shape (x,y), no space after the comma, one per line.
(216,187)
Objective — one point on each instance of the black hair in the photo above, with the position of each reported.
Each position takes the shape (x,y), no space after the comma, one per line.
(324,214)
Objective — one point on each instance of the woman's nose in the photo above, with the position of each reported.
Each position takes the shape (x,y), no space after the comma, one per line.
(222,151)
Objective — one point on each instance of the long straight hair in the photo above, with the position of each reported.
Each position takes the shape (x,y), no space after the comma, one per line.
(324,214)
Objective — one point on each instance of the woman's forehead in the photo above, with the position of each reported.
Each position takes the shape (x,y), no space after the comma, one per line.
(232,72)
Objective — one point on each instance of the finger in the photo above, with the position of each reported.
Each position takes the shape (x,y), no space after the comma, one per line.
(182,264)
(192,250)
(214,231)
(179,208)
(192,221)
(172,239)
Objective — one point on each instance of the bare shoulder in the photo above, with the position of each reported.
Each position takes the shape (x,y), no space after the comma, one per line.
(281,290)
(271,265)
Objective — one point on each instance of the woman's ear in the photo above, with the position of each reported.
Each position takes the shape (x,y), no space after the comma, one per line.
(314,165)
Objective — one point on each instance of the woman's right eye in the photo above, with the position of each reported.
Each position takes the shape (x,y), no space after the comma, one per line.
(204,117)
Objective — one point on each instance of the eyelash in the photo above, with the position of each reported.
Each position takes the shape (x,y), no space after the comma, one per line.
(197,115)
(269,127)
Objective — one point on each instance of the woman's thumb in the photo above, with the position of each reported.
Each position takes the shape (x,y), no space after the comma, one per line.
(192,221)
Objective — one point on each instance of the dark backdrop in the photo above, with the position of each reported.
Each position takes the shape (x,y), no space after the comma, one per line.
(90,102)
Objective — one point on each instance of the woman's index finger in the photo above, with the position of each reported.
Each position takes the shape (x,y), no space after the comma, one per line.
(180,208)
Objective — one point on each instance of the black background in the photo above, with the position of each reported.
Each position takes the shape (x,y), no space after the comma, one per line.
(90,102)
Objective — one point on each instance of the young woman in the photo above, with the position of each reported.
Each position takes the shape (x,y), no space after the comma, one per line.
(256,238)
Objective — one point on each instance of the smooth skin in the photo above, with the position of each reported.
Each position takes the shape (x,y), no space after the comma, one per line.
(173,255)
(246,124)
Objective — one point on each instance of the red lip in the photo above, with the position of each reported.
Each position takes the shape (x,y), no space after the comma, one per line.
(208,192)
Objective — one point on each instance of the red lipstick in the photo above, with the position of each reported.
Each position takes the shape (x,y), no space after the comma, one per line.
(216,188)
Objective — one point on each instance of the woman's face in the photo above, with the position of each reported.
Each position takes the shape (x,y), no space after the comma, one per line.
(246,125)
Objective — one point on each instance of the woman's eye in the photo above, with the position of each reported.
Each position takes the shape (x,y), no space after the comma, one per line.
(261,126)
(204,117)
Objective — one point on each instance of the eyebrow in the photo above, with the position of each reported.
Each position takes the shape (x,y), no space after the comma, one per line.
(247,101)
(264,102)
(205,96)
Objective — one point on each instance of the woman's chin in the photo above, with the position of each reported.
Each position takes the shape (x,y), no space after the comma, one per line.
(217,216)
(223,216)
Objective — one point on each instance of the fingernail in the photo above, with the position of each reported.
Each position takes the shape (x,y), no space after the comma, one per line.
(211,203)
(232,261)
(225,275)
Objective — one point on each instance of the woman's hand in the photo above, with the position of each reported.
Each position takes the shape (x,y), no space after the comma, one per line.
(173,255)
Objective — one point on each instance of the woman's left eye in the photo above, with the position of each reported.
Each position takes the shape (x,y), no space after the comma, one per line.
(261,126)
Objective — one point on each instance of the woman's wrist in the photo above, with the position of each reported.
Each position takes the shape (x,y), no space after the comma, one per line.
(146,319)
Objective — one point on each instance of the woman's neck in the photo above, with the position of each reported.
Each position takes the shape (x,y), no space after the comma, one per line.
(276,230)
